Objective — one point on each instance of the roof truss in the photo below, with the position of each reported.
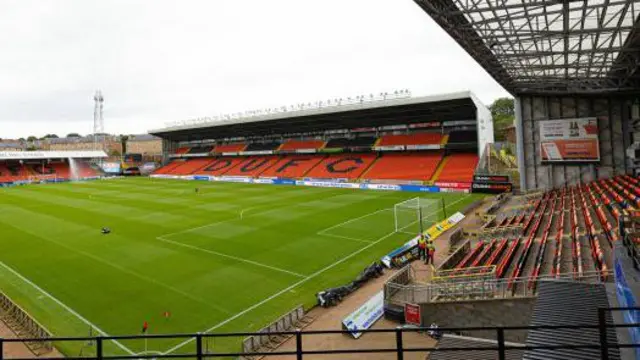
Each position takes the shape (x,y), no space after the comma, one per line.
(568,46)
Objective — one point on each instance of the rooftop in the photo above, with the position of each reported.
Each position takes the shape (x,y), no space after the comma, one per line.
(562,46)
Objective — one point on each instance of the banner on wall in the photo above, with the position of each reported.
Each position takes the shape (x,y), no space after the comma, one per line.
(491,178)
(569,140)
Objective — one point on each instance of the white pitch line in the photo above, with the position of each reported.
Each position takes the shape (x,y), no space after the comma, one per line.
(257,305)
(231,257)
(345,237)
(352,220)
(64,306)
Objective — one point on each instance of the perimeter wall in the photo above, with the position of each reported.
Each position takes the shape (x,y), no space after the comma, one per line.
(613,115)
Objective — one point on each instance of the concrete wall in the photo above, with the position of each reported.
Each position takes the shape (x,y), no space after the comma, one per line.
(509,312)
(613,121)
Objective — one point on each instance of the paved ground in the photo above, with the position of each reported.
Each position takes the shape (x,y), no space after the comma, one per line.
(19,350)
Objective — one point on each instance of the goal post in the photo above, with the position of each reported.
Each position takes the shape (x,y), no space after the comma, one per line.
(417,214)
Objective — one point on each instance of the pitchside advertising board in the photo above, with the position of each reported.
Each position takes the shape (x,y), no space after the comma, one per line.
(365,316)
(569,140)
(491,184)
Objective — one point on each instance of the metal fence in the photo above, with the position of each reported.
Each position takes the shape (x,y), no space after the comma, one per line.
(400,293)
(24,324)
(398,351)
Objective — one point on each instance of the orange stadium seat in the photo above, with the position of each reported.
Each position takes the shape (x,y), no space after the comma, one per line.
(167,169)
(253,166)
(235,147)
(405,166)
(191,166)
(426,138)
(345,166)
(182,150)
(220,166)
(301,144)
(294,166)
(459,167)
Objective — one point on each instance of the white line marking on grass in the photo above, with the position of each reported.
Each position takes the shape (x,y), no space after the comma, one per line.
(64,306)
(345,237)
(231,257)
(352,220)
(257,305)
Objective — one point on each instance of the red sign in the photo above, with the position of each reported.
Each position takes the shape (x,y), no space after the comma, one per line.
(453,185)
(412,314)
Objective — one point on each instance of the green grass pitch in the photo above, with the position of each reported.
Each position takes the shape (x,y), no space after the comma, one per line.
(232,257)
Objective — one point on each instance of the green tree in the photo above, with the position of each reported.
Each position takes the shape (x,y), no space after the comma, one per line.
(73,135)
(32,138)
(503,113)
(50,136)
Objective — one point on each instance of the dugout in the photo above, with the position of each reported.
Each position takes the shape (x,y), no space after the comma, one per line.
(368,115)
(561,60)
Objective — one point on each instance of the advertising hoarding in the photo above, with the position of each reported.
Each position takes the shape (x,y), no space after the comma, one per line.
(569,140)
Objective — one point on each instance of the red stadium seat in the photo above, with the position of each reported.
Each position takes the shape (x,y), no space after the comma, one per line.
(219,166)
(404,166)
(343,166)
(458,167)
(294,166)
(253,166)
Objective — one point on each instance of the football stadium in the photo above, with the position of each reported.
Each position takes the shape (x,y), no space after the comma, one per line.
(380,226)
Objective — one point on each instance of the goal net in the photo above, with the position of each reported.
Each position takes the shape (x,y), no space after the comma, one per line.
(417,214)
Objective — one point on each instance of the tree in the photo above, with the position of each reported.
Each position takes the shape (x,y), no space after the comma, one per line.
(73,135)
(50,136)
(32,138)
(503,113)
(22,140)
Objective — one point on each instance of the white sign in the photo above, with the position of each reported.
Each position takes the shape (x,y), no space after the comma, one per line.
(25,155)
(328,184)
(365,316)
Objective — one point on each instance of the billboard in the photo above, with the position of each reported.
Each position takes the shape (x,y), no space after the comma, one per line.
(111,167)
(569,140)
(365,315)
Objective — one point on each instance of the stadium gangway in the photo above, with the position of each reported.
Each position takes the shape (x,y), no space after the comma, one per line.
(525,253)
(541,250)
(594,244)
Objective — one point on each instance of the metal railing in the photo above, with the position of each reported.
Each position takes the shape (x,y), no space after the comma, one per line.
(398,351)
(459,288)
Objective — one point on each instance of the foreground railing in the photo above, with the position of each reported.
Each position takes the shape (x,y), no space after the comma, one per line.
(500,346)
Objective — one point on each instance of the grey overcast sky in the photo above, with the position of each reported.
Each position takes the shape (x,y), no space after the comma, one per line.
(158,61)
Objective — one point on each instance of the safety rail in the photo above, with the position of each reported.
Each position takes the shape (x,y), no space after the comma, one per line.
(501,347)
(483,288)
(24,324)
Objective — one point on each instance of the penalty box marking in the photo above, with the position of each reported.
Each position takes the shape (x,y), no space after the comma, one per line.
(291,287)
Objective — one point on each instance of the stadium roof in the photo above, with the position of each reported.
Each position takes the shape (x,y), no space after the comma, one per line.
(535,46)
(455,106)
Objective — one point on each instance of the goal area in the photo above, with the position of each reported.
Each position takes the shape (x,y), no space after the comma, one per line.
(418,214)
